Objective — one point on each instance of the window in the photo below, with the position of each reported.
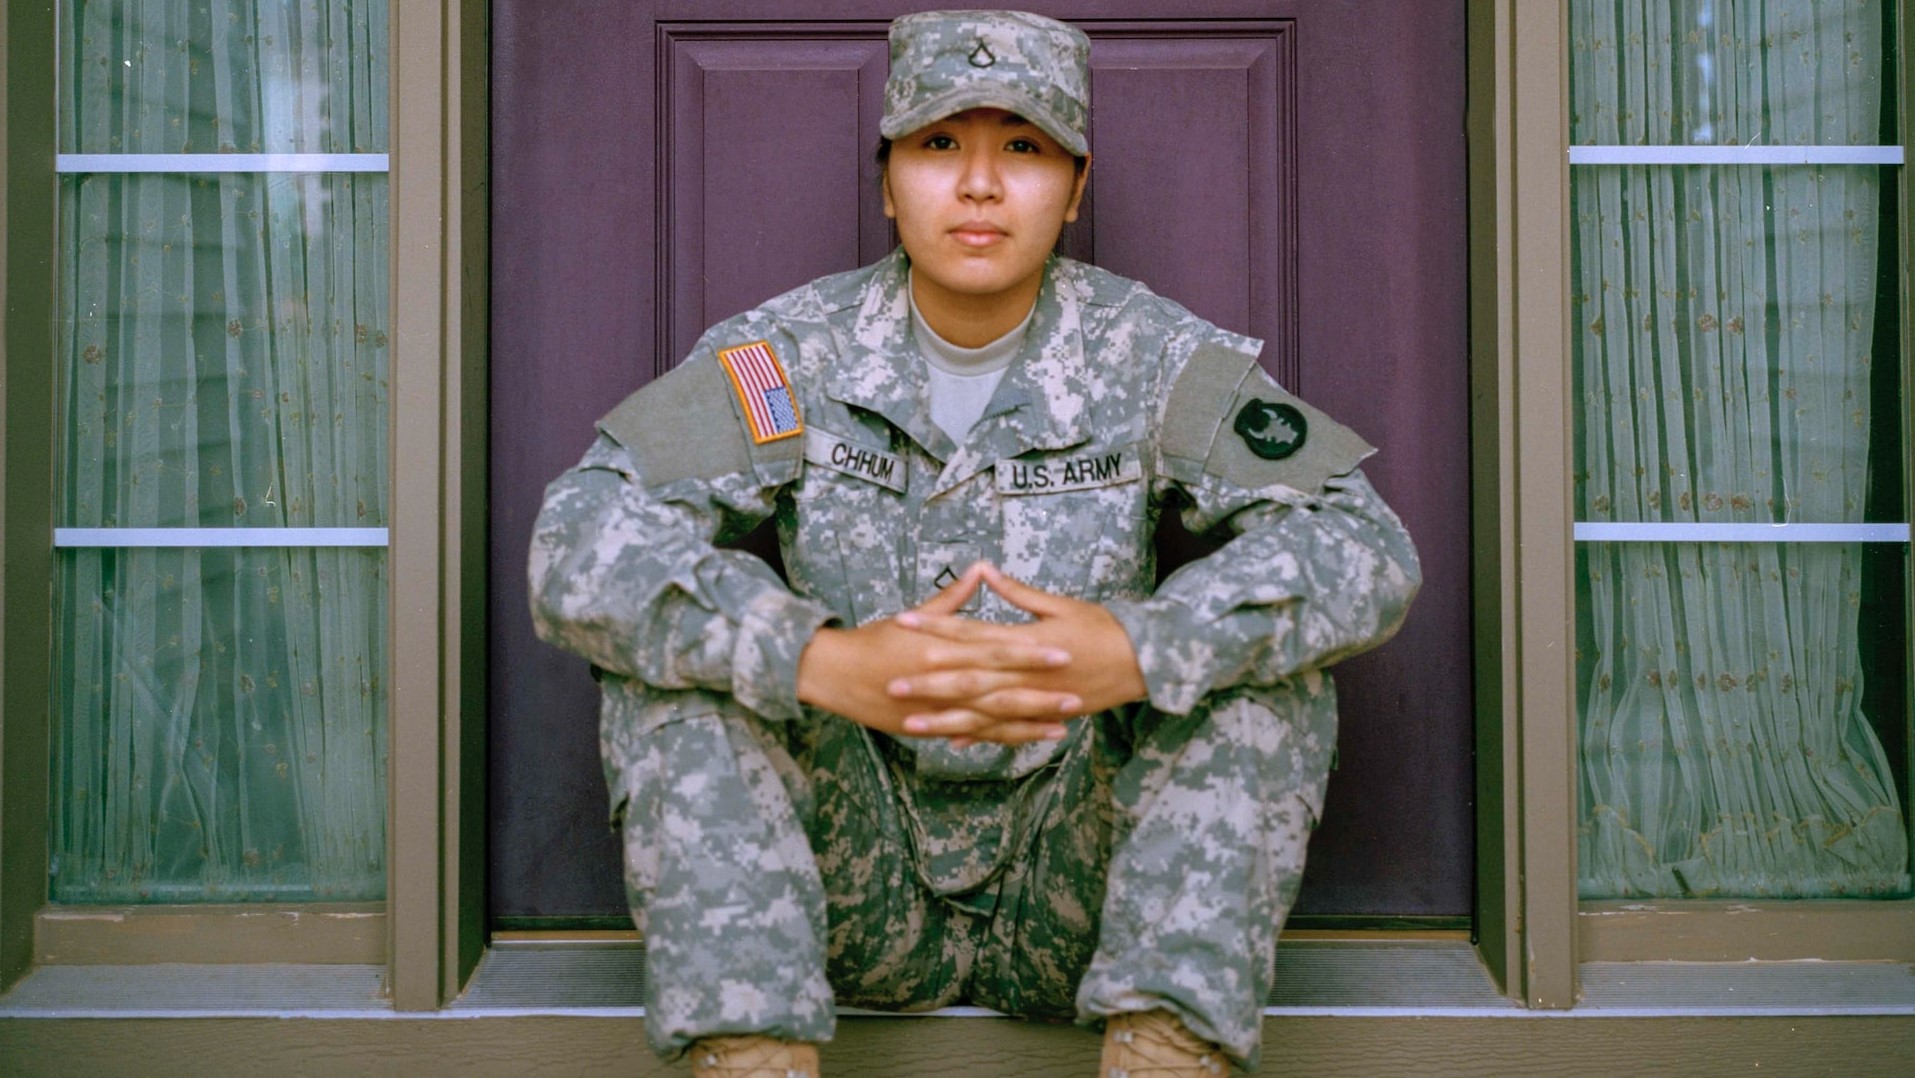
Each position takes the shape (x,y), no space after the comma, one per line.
(1742,535)
(220,585)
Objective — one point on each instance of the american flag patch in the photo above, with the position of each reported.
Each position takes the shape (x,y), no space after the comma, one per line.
(763,389)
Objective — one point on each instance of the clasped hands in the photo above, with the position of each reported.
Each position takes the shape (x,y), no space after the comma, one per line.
(930,672)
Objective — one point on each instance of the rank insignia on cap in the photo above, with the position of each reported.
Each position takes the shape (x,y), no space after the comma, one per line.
(770,408)
(1273,431)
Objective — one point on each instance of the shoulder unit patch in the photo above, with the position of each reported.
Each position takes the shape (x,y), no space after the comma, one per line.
(1272,430)
(764,392)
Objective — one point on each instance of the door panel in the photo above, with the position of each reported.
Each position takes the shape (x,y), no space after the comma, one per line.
(763,198)
(1292,171)
(1191,191)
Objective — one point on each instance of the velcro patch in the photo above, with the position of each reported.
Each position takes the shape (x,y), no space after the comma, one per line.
(1246,430)
(771,409)
(827,450)
(1062,472)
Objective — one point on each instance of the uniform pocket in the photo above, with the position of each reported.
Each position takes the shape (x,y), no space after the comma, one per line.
(632,720)
(841,547)
(1078,522)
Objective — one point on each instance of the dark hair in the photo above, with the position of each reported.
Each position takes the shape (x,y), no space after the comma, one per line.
(883,157)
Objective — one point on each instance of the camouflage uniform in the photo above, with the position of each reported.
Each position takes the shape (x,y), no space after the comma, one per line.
(778,856)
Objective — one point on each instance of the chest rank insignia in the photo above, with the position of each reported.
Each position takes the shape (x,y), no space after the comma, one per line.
(771,411)
(1273,431)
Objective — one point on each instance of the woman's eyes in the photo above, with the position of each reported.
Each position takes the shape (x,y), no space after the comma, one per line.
(1020,144)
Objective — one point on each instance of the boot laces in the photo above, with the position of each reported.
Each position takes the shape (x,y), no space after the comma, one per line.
(753,1056)
(1154,1044)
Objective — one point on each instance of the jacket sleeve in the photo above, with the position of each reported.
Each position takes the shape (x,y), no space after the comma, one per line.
(624,569)
(1318,568)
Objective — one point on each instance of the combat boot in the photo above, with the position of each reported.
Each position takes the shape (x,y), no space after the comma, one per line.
(1155,1044)
(753,1055)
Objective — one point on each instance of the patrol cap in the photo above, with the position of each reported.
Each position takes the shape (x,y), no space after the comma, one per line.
(943,62)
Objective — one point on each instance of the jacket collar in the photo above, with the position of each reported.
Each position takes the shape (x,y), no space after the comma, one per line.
(878,366)
(1042,403)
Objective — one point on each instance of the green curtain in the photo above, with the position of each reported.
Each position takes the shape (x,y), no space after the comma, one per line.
(222,711)
(1723,324)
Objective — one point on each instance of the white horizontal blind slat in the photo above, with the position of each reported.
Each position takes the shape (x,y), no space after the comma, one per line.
(1735,155)
(222,162)
(219,537)
(1587,532)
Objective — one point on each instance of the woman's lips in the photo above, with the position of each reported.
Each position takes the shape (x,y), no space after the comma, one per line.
(977,234)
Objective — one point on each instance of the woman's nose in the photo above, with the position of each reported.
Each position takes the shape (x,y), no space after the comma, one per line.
(979,180)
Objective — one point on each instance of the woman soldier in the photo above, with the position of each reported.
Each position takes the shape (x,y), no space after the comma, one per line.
(968,752)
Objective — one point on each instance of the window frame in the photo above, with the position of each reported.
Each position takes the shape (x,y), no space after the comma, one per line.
(1520,151)
(1718,929)
(1519,344)
(436,823)
(428,932)
(26,485)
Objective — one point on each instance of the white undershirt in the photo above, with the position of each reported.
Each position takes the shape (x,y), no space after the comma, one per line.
(961,380)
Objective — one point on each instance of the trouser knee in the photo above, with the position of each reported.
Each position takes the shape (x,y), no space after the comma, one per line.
(722,881)
(695,777)
(1214,812)
(1253,744)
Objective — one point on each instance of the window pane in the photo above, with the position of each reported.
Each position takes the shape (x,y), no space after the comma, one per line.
(222,725)
(1744,708)
(1728,72)
(224,76)
(226,350)
(1735,345)
(1744,720)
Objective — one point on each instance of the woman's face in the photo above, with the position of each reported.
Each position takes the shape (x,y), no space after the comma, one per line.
(979,198)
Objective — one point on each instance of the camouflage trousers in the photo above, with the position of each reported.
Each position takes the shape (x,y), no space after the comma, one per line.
(774,868)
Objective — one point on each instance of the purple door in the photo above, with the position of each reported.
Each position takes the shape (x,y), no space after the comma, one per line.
(1290,170)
